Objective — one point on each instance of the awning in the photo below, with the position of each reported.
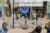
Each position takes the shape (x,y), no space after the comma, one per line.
(27,3)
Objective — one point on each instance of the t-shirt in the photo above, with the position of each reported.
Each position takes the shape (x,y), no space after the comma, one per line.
(3,30)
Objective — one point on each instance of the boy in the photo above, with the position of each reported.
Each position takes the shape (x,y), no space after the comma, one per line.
(3,29)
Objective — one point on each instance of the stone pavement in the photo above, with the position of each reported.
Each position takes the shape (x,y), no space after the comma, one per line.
(19,30)
(17,23)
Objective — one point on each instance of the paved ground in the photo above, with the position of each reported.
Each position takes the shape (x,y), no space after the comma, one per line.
(18,30)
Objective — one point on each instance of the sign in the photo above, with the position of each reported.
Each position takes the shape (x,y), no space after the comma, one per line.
(24,10)
(48,8)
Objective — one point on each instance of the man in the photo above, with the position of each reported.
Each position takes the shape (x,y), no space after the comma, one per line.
(3,29)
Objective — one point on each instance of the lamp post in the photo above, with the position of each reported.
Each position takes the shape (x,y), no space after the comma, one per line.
(13,13)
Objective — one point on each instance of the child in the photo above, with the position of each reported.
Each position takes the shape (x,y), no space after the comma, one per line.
(3,29)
